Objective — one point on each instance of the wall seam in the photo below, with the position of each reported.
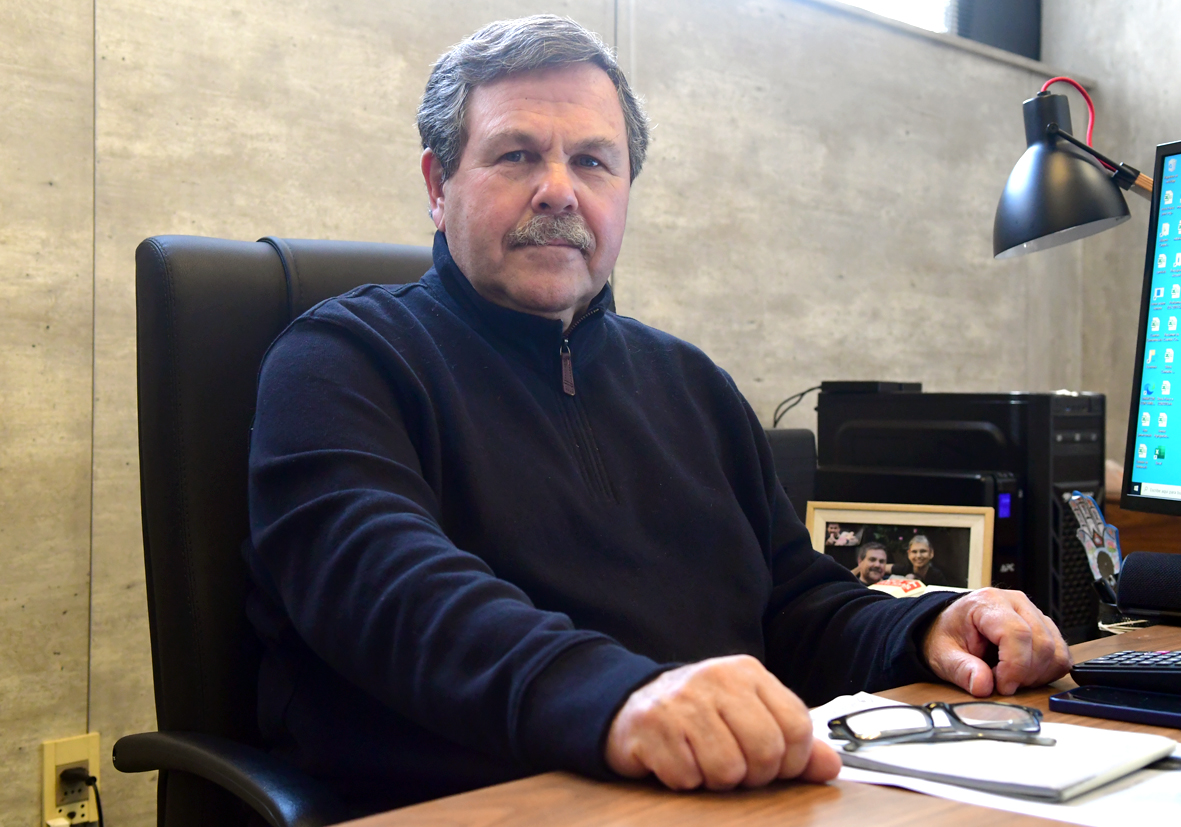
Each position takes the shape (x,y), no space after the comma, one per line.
(93,344)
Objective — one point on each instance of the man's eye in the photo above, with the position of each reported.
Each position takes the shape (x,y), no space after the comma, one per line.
(514,157)
(587,161)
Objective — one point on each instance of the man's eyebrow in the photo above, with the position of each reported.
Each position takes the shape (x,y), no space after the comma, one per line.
(600,144)
(511,136)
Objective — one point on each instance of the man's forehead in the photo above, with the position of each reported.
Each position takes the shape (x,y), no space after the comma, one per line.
(578,90)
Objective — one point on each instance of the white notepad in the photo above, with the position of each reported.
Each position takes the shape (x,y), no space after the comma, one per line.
(1082,759)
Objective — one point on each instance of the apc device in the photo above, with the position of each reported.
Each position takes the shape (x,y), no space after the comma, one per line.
(1021,453)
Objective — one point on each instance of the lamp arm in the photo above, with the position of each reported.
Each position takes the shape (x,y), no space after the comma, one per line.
(1126,176)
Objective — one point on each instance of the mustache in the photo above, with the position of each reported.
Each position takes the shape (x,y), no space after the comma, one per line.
(546,229)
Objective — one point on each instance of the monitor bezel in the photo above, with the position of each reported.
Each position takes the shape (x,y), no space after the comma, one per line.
(1129,501)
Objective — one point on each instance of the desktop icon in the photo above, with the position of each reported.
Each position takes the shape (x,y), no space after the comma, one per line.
(1165,387)
(1176,293)
(1164,229)
(1168,354)
(1159,453)
(1162,420)
(1172,164)
(1142,451)
(1146,420)
(1177,260)
(1149,388)
(1155,324)
(1151,356)
(1158,292)
(1168,197)
(1172,322)
(1162,260)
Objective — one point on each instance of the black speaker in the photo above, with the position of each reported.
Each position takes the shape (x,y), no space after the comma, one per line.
(1150,586)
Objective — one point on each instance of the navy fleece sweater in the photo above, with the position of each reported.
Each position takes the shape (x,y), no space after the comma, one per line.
(464,569)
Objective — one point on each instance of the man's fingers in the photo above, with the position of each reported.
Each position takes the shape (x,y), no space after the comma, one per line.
(719,757)
(1050,658)
(674,763)
(1030,649)
(792,720)
(823,764)
(1014,638)
(718,724)
(760,738)
(963,669)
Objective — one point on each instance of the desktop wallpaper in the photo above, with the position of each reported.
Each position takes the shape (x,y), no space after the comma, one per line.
(1156,470)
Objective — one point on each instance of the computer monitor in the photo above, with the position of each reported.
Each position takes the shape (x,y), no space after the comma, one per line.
(1152,462)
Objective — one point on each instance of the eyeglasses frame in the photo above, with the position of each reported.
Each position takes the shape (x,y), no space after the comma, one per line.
(959,730)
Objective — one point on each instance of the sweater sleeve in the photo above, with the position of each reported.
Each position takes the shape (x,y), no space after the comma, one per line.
(348,541)
(827,634)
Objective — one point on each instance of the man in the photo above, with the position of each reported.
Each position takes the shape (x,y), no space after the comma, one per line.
(498,529)
(921,566)
(871,563)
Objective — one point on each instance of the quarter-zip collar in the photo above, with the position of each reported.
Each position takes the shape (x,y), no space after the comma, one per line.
(534,339)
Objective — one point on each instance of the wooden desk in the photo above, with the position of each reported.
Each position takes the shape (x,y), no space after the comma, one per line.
(563,799)
(1139,531)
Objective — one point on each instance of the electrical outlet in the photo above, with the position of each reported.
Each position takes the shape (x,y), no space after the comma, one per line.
(68,803)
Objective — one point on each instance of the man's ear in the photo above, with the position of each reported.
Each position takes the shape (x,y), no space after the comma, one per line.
(432,174)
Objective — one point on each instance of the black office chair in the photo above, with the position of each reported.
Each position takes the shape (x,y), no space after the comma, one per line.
(206,311)
(794,453)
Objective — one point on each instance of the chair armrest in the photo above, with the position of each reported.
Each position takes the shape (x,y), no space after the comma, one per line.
(277,791)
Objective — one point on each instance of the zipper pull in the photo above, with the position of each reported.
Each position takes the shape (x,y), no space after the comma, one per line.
(567,369)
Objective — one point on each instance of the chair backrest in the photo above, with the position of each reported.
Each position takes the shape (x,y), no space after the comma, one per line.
(794,453)
(206,310)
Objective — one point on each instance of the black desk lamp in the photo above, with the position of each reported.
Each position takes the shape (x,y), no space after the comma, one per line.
(1061,189)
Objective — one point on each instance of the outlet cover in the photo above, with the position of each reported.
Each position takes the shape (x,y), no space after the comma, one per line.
(65,803)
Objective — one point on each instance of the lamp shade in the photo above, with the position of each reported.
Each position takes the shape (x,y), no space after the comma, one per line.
(1056,193)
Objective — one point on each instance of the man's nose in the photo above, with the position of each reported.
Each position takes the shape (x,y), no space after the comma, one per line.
(555,191)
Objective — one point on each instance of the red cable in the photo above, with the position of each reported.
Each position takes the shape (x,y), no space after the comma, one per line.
(1086,97)
(1090,107)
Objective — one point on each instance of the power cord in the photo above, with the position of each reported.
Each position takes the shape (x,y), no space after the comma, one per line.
(787,404)
(1090,108)
(78,775)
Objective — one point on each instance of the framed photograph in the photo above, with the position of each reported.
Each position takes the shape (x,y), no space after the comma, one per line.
(942,545)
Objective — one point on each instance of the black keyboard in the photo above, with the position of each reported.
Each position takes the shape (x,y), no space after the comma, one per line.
(1146,671)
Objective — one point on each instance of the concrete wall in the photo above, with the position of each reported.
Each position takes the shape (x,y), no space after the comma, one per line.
(46,297)
(1130,45)
(818,204)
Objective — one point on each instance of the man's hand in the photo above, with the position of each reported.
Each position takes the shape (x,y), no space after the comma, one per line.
(718,723)
(1030,649)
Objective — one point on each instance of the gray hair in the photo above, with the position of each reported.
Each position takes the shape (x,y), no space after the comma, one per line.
(505,48)
(920,538)
(867,548)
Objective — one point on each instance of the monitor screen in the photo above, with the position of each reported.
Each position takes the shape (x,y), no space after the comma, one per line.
(1152,464)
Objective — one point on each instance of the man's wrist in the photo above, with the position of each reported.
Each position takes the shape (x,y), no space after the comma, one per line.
(578,695)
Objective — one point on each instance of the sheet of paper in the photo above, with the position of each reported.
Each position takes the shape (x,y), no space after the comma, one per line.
(1146,797)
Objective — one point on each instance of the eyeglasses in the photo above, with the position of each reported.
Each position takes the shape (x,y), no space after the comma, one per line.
(972,720)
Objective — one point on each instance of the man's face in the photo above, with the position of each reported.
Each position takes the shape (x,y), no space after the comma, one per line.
(549,143)
(872,567)
(920,555)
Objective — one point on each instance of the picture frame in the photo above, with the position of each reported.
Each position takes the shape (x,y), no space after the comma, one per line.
(963,531)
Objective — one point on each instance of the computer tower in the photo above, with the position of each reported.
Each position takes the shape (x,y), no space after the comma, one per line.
(1037,446)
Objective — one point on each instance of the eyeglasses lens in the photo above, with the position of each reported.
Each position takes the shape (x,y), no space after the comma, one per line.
(889,720)
(996,716)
